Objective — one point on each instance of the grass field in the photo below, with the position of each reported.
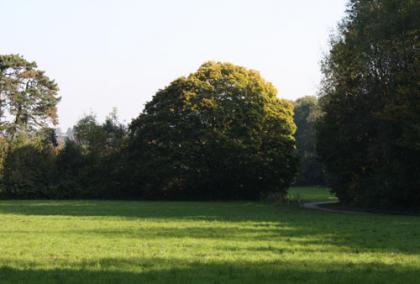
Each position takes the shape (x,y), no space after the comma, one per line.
(310,193)
(198,242)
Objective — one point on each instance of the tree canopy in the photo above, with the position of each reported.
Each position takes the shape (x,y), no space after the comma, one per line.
(28,110)
(369,134)
(28,98)
(220,133)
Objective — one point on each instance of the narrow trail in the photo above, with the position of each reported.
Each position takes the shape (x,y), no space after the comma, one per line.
(317,205)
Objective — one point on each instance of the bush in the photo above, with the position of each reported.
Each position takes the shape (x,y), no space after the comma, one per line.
(28,172)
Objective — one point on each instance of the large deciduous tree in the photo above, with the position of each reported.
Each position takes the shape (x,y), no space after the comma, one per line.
(370,131)
(220,133)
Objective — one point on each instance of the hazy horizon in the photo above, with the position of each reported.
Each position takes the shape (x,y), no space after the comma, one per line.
(106,54)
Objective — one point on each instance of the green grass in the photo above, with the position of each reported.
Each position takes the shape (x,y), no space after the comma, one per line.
(202,242)
(310,193)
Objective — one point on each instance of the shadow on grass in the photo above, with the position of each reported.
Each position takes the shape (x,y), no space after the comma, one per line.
(137,209)
(240,221)
(178,271)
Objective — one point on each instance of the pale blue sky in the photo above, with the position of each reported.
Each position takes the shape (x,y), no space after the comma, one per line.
(118,53)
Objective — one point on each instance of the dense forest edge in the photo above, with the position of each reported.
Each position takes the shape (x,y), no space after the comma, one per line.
(222,133)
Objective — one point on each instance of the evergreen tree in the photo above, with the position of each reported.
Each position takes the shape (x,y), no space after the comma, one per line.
(28,98)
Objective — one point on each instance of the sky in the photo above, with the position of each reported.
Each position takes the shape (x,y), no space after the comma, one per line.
(119,53)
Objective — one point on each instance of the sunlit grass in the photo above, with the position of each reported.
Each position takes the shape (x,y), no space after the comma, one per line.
(311,193)
(202,242)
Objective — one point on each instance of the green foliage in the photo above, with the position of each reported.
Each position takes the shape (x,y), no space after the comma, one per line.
(87,167)
(115,133)
(69,166)
(202,242)
(97,139)
(90,165)
(28,107)
(369,135)
(3,153)
(27,172)
(220,133)
(310,170)
(89,135)
(28,98)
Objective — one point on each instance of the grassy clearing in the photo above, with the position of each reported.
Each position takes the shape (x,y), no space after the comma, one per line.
(192,242)
(310,193)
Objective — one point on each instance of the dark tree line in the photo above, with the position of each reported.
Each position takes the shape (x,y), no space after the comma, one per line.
(220,133)
(82,167)
(369,134)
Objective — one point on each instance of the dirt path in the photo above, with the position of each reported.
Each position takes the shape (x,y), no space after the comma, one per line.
(318,206)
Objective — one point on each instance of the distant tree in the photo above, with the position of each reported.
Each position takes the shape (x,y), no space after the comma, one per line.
(115,133)
(99,139)
(90,135)
(306,114)
(90,164)
(28,98)
(220,133)
(369,134)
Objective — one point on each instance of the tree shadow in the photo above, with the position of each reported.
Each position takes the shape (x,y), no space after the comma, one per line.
(236,221)
(138,270)
(138,209)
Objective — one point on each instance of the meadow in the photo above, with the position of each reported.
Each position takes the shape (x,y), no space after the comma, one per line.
(203,242)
